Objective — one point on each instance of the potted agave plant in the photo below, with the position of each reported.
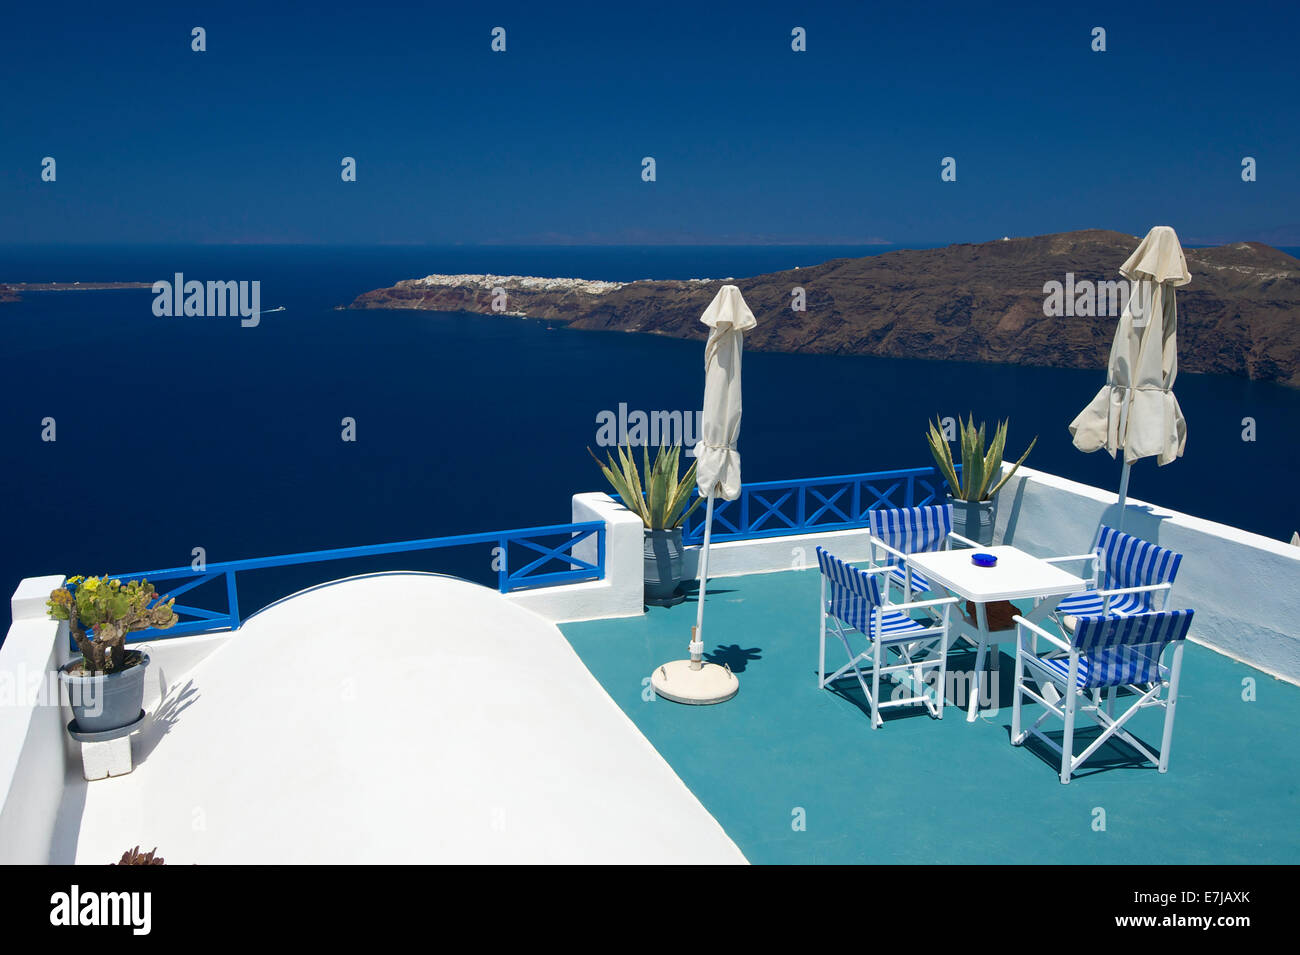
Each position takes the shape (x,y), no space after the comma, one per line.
(972,495)
(663,504)
(106,683)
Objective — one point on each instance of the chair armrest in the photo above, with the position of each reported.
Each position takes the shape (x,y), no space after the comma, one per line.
(874,570)
(917,604)
(877,542)
(953,535)
(1050,638)
(1061,560)
(1133,590)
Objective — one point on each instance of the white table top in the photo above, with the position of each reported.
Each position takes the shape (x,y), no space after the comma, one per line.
(1016,575)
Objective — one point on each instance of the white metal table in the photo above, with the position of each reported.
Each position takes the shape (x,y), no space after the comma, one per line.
(1017,576)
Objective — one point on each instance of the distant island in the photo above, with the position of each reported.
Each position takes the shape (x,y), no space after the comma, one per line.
(974,302)
(13,291)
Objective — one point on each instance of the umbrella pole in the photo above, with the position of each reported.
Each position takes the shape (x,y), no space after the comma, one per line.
(697,632)
(1123,494)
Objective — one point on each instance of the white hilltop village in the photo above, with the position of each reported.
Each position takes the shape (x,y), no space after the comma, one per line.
(535,283)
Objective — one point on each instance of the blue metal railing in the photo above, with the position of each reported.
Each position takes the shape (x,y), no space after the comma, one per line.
(841,502)
(530,574)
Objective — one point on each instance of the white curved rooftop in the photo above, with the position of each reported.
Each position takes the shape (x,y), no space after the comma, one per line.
(396,718)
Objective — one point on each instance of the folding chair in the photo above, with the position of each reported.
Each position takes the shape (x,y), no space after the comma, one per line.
(854,601)
(911,530)
(1137,576)
(1105,654)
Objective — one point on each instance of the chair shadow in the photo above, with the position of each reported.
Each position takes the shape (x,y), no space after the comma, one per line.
(734,657)
(848,689)
(1114,753)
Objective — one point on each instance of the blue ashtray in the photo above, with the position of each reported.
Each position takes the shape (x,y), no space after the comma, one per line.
(983,560)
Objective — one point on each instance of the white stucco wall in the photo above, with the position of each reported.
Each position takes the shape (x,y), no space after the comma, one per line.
(32,750)
(1245,588)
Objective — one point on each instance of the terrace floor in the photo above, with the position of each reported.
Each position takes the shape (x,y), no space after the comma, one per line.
(924,791)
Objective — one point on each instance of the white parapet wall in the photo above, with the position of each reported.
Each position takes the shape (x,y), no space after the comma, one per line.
(33,751)
(1245,588)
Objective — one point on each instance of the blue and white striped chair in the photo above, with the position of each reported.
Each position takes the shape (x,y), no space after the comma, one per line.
(856,601)
(1104,655)
(1136,576)
(902,531)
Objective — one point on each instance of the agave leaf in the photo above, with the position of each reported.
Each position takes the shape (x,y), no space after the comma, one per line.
(618,481)
(690,510)
(672,460)
(633,478)
(1006,477)
(972,460)
(681,495)
(943,457)
(993,460)
(658,490)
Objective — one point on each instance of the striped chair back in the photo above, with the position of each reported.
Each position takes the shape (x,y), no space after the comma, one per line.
(854,594)
(912,530)
(1132,562)
(1121,650)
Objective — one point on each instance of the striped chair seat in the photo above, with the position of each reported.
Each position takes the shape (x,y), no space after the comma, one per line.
(1117,666)
(1090,604)
(894,624)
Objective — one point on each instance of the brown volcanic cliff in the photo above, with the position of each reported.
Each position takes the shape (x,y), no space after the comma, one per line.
(984,302)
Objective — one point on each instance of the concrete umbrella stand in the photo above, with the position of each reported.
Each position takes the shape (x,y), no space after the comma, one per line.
(717,474)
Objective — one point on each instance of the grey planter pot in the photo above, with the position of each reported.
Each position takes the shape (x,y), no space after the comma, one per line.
(106,701)
(974,519)
(663,564)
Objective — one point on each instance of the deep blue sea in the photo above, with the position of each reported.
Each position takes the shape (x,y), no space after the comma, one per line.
(176,433)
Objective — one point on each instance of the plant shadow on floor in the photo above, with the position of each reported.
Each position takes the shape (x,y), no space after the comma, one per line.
(177,700)
(734,657)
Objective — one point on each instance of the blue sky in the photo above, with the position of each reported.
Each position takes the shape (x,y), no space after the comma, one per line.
(543,143)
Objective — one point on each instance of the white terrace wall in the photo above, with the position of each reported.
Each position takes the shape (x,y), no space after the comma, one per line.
(33,754)
(1245,588)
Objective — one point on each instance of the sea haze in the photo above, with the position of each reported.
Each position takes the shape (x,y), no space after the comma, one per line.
(176,433)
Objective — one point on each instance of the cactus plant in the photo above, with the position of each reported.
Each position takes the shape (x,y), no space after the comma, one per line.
(136,857)
(978,467)
(101,612)
(662,503)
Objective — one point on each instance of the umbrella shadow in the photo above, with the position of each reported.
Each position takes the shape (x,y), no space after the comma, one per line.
(734,656)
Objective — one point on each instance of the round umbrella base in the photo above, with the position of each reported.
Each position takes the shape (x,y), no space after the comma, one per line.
(711,683)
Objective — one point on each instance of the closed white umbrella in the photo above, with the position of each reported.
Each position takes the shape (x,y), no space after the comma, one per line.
(1136,411)
(717,474)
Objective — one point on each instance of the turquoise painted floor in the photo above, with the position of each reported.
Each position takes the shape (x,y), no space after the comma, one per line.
(924,791)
